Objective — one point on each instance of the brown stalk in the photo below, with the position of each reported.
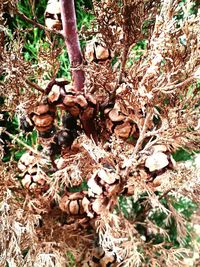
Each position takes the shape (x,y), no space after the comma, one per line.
(68,17)
(35,86)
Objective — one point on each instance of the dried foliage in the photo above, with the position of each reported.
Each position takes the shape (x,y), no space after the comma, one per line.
(72,200)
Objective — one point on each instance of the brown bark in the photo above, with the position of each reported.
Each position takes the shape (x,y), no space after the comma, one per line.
(68,17)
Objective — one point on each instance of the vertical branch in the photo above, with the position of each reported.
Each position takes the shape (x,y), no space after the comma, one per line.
(72,42)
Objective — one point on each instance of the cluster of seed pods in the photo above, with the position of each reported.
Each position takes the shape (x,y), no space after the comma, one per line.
(103,187)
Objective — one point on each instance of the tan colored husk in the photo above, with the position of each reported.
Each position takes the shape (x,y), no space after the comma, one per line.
(41,109)
(156,161)
(101,52)
(115,116)
(53,24)
(123,130)
(43,120)
(54,93)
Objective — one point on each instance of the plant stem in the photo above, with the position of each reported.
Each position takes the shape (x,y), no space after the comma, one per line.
(68,17)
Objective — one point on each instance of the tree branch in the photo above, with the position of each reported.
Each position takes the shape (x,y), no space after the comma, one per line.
(37,24)
(35,86)
(68,17)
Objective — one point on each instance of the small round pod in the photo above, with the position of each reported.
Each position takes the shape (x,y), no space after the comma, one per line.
(108,177)
(33,181)
(93,187)
(72,204)
(40,109)
(25,161)
(101,52)
(109,260)
(54,94)
(70,105)
(87,207)
(128,190)
(115,116)
(38,178)
(26,180)
(65,137)
(43,118)
(96,52)
(81,101)
(105,259)
(43,122)
(157,161)
(157,181)
(125,129)
(98,205)
(69,100)
(53,15)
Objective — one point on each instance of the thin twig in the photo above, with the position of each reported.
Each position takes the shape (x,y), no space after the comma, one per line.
(139,142)
(172,87)
(37,24)
(22,143)
(148,207)
(36,86)
(123,63)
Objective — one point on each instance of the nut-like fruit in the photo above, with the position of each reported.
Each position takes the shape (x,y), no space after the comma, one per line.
(43,120)
(72,204)
(80,99)
(108,177)
(156,161)
(27,180)
(25,161)
(102,53)
(41,109)
(54,94)
(114,115)
(53,15)
(94,188)
(96,52)
(69,100)
(123,130)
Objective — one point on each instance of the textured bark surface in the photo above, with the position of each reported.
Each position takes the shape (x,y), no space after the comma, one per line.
(72,42)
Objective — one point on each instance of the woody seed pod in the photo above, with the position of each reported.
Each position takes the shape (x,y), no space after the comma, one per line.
(102,53)
(156,161)
(54,94)
(43,121)
(26,160)
(53,15)
(123,130)
(72,204)
(41,109)
(115,116)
